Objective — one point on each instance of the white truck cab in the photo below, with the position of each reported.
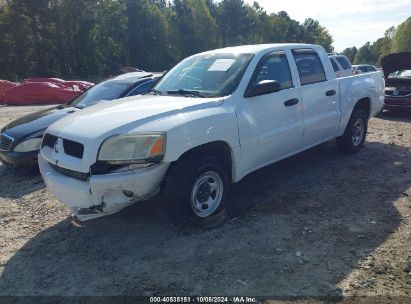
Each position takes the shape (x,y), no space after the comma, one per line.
(210,121)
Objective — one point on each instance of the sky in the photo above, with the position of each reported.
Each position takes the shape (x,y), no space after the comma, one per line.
(350,22)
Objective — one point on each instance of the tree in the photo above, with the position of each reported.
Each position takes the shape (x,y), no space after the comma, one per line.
(92,39)
(379,49)
(110,35)
(147,34)
(350,52)
(256,19)
(196,27)
(284,29)
(233,25)
(78,50)
(401,41)
(317,34)
(364,55)
(8,58)
(27,37)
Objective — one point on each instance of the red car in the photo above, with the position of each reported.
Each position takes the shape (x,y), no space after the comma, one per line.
(397,73)
(41,91)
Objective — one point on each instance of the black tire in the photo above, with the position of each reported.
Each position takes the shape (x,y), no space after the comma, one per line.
(351,141)
(181,183)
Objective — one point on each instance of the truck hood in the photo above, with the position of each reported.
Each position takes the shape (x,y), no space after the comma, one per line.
(126,114)
(395,62)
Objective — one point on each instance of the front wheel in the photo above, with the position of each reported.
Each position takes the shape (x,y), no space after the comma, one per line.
(196,188)
(355,133)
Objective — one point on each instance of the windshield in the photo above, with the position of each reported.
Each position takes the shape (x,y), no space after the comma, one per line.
(401,74)
(107,90)
(208,75)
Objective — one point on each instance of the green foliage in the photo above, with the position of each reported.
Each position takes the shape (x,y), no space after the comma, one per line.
(195,26)
(110,35)
(233,22)
(92,39)
(395,40)
(315,33)
(147,30)
(350,53)
(367,54)
(401,41)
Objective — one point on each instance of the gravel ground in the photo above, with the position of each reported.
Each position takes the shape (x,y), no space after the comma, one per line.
(317,224)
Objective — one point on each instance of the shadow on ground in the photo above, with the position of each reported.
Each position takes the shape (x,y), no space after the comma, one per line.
(398,115)
(296,228)
(27,179)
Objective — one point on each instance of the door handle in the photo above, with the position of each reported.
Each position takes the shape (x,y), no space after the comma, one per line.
(291,102)
(330,93)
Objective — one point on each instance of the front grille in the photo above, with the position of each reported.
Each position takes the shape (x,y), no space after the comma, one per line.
(6,142)
(73,148)
(70,173)
(49,140)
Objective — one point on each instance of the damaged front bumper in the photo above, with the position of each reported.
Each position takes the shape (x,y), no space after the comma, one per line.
(104,194)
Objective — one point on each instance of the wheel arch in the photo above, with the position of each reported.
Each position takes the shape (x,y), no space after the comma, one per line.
(363,104)
(349,107)
(219,149)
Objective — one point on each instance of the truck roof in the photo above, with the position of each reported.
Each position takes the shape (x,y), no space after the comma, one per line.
(257,48)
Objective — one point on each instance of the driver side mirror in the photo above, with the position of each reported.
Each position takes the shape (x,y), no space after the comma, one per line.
(263,88)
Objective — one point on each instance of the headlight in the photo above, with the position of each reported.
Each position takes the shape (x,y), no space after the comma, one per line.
(132,148)
(28,145)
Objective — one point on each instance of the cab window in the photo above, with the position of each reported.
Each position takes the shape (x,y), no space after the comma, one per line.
(309,65)
(274,67)
(344,63)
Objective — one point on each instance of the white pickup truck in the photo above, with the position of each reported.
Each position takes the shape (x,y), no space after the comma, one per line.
(212,119)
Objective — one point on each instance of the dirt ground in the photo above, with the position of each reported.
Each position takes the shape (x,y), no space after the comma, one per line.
(319,224)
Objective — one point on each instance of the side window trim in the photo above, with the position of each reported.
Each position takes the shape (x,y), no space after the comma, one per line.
(261,62)
(312,52)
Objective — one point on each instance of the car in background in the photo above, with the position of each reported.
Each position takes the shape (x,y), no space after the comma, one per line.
(363,68)
(20,140)
(397,73)
(341,65)
(36,91)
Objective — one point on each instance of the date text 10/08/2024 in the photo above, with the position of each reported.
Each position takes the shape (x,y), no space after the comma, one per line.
(203,300)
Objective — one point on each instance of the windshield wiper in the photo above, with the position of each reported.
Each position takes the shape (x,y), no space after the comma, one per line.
(154,92)
(62,106)
(185,92)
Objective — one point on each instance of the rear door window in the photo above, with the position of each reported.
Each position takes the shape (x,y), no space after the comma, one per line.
(344,63)
(335,66)
(309,65)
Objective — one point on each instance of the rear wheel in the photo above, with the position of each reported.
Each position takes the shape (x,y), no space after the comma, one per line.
(196,188)
(355,133)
